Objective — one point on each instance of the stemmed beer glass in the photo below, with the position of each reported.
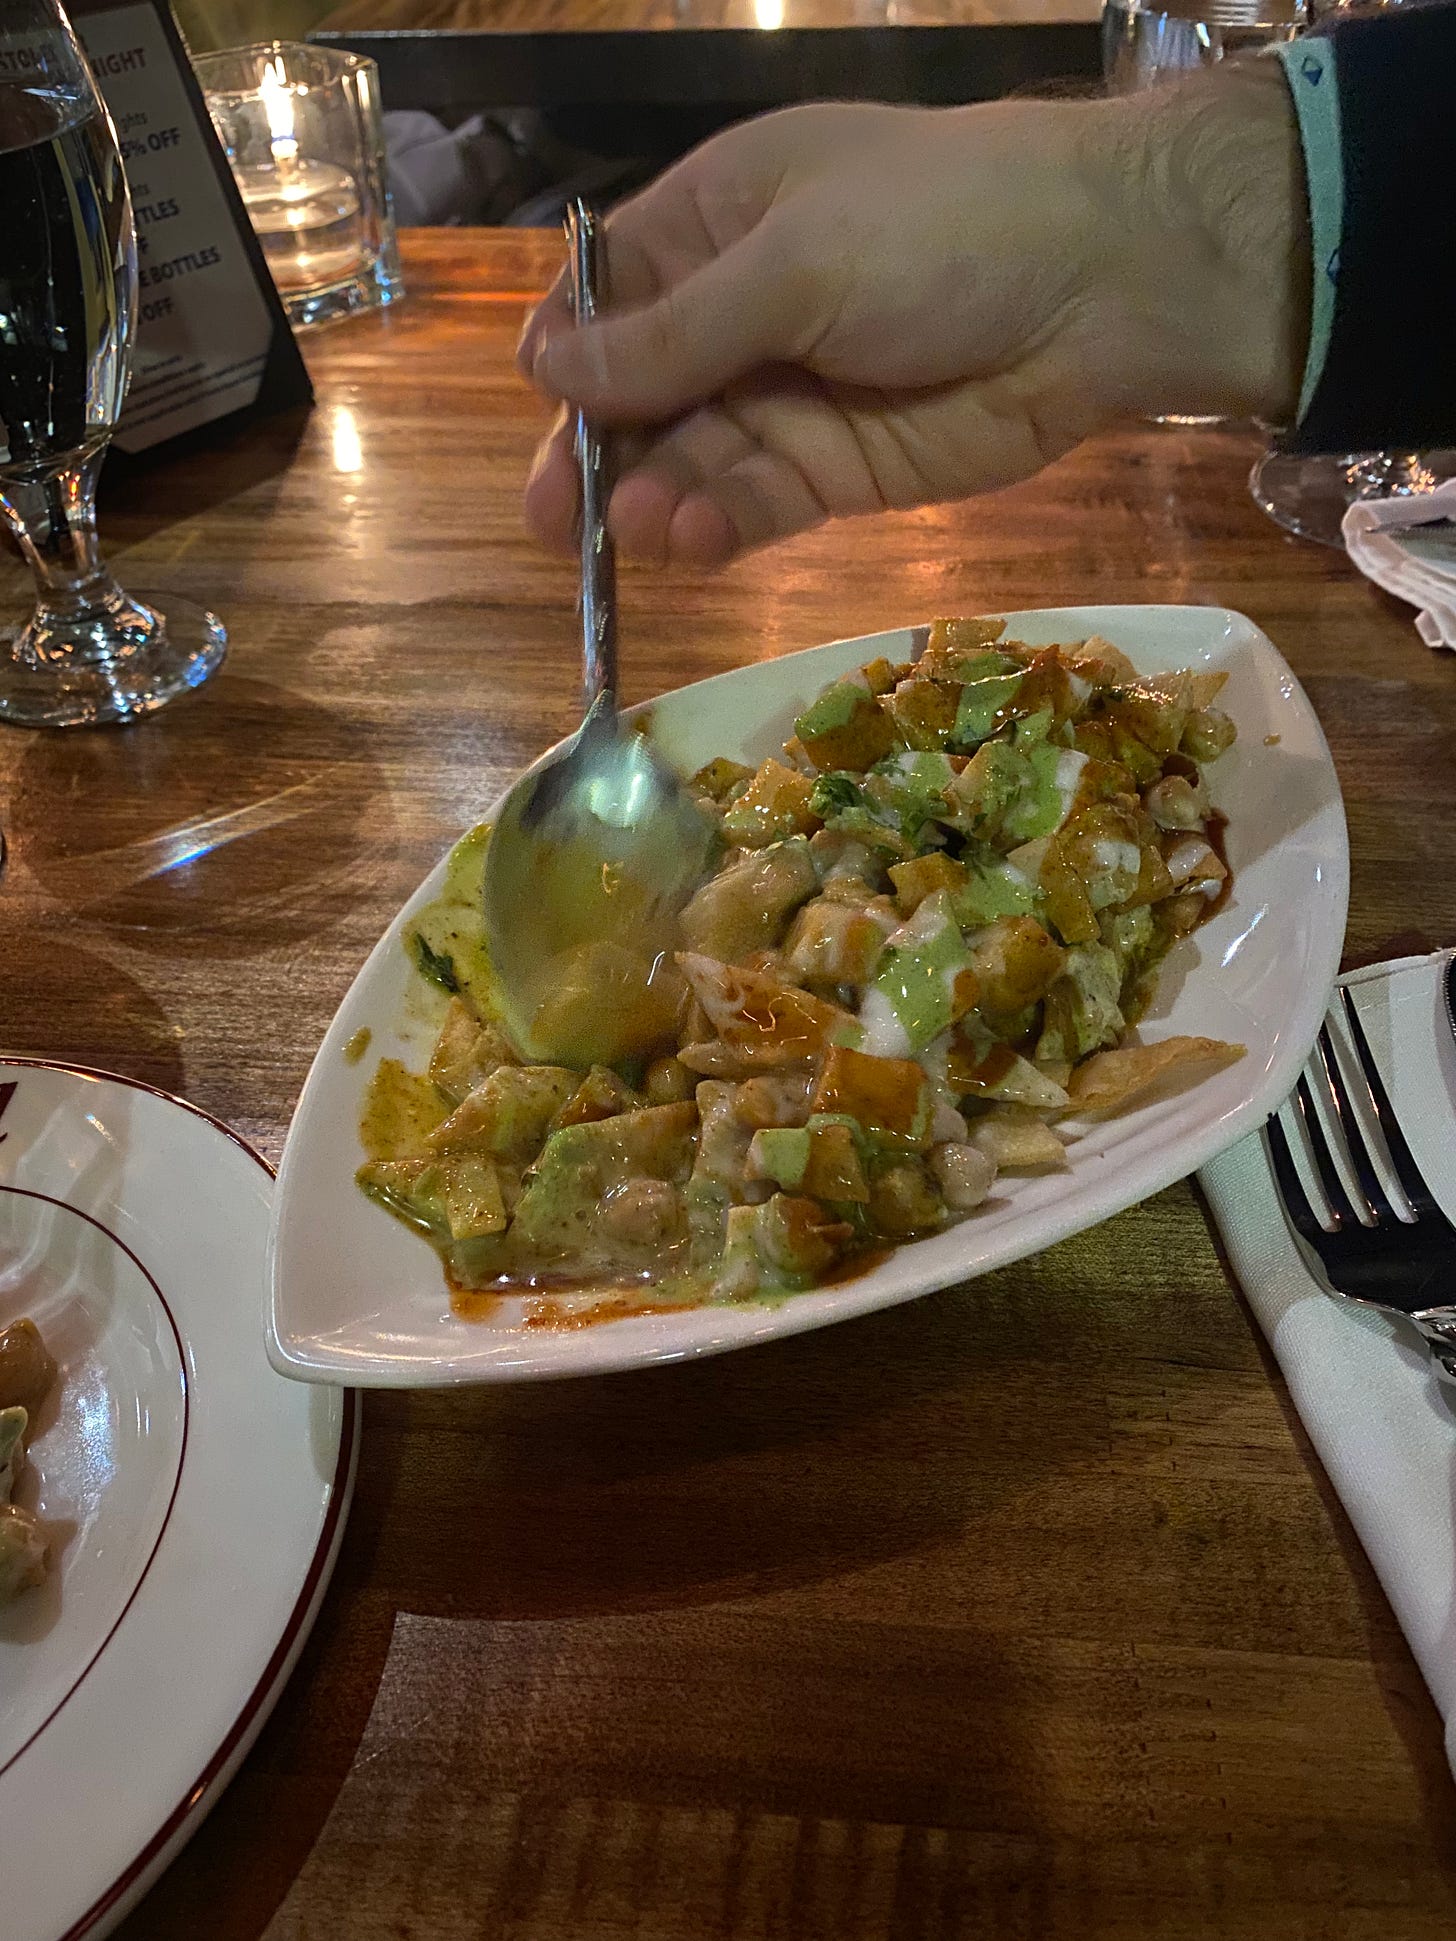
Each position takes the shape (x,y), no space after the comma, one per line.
(68,286)
(1311,495)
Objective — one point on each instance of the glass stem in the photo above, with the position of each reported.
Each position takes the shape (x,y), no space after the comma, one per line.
(52,513)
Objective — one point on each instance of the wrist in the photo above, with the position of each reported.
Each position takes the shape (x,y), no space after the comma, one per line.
(1207,259)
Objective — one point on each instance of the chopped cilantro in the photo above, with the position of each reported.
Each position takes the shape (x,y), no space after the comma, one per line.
(433,964)
(835,792)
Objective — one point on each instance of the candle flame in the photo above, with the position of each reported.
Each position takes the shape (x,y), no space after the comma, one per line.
(278,106)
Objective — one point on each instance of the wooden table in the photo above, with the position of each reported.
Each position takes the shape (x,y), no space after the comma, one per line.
(713,55)
(1019,1612)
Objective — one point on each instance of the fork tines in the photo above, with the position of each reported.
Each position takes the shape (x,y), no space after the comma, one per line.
(1376,1207)
(1370,1249)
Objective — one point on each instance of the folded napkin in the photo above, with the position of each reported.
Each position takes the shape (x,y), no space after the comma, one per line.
(1393,542)
(1382,1423)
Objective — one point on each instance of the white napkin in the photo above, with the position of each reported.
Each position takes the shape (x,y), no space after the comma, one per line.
(1384,539)
(1381,1422)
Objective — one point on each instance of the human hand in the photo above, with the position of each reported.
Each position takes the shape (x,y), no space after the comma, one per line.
(840,309)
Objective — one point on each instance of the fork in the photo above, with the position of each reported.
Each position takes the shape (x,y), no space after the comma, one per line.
(1380,1260)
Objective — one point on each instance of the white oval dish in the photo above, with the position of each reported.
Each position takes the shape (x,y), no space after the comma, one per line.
(194,1501)
(357,1298)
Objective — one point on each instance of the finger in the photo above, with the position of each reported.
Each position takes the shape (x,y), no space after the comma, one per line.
(653,519)
(552,496)
(691,215)
(632,276)
(776,460)
(659,524)
(777,457)
(659,512)
(783,453)
(553,486)
(660,359)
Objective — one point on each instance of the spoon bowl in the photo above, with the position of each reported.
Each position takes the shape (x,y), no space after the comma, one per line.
(589,863)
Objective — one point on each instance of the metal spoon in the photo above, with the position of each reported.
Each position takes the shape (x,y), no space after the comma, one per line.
(596,850)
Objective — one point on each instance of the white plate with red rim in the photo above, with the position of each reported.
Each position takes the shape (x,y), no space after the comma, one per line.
(357,1298)
(193,1500)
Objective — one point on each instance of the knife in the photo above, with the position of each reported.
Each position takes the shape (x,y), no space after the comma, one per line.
(1451,993)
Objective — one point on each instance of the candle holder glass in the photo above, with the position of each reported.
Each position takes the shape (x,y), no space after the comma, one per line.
(302,130)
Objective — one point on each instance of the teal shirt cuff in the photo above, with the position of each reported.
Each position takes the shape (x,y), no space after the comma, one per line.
(1309,69)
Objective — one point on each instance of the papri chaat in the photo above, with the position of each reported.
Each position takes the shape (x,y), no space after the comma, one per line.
(934,920)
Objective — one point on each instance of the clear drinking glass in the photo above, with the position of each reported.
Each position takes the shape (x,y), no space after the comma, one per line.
(67,305)
(1310,496)
(1144,42)
(304,133)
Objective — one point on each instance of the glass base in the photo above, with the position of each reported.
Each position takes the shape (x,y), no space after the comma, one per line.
(1310,496)
(152,656)
(371,288)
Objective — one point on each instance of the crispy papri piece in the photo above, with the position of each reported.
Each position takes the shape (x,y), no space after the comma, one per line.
(835,943)
(922,876)
(774,1099)
(1099,662)
(716,777)
(1001,1074)
(507,1114)
(764,1022)
(601,1093)
(924,711)
(1189,859)
(879,675)
(1018,1140)
(401,1109)
(845,728)
(1189,688)
(1016,963)
(745,906)
(1108,1081)
(711,1058)
(775,805)
(953,643)
(723,1138)
(466,1052)
(1067,903)
(886,1096)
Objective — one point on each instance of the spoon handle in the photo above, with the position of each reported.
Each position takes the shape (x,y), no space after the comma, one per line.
(598,560)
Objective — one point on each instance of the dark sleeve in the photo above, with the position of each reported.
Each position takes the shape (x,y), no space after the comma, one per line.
(1382,370)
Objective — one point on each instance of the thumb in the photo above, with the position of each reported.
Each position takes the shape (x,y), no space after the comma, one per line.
(687,345)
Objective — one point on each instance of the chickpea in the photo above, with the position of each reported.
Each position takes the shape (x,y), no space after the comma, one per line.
(643,1213)
(26,1369)
(668,1082)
